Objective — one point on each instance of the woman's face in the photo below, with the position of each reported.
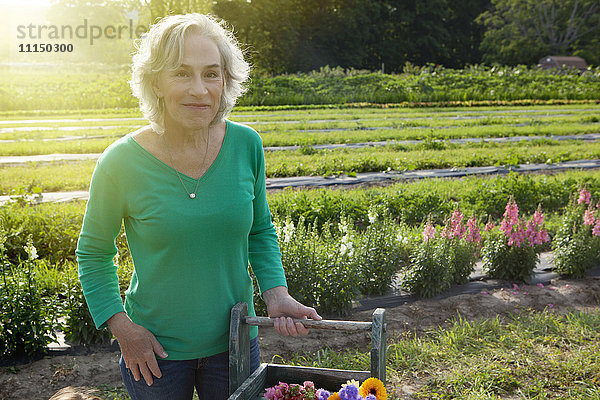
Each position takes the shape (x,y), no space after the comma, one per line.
(192,92)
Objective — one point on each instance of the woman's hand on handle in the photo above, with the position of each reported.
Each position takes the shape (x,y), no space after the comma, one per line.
(138,347)
(282,308)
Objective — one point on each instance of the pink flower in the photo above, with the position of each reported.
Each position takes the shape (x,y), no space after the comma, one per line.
(456,227)
(489,226)
(511,217)
(540,285)
(444,232)
(428,232)
(596,228)
(516,237)
(588,217)
(473,234)
(584,196)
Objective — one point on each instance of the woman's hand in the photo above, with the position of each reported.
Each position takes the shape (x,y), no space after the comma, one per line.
(282,308)
(138,346)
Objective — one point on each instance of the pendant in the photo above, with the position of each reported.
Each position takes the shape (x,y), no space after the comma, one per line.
(192,195)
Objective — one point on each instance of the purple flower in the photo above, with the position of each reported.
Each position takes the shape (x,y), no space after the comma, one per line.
(323,394)
(349,392)
(370,397)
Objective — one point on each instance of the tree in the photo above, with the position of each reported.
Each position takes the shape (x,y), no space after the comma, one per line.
(413,31)
(522,31)
(161,8)
(302,35)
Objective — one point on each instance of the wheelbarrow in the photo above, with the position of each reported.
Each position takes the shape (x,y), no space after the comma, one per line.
(246,386)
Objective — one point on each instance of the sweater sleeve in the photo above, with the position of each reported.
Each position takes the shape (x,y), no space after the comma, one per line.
(96,248)
(263,247)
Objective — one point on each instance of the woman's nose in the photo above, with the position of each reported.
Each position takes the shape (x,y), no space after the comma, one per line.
(197,86)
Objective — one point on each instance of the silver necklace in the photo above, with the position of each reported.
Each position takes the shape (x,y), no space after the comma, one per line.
(191,194)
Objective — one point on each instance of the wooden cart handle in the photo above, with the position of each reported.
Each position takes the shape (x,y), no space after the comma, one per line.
(312,324)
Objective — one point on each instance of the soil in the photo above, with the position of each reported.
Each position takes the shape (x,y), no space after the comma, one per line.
(99,367)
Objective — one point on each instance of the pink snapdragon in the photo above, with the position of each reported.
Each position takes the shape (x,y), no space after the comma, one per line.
(588,216)
(596,228)
(457,229)
(585,197)
(428,232)
(516,235)
(490,225)
(534,232)
(473,234)
(511,217)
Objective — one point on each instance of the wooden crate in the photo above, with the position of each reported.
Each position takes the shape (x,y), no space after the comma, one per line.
(243,386)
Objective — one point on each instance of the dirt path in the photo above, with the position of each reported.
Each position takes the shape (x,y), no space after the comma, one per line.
(40,379)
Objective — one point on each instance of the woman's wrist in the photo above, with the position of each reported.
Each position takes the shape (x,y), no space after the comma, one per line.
(118,323)
(275,294)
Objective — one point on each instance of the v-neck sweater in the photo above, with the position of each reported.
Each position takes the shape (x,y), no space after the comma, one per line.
(190,256)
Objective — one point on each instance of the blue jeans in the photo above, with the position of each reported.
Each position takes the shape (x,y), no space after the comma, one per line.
(209,375)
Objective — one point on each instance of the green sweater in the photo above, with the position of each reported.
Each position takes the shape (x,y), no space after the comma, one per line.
(190,256)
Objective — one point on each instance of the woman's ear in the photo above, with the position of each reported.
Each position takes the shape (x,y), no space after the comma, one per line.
(156,88)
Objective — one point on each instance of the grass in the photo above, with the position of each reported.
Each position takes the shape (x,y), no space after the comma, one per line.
(528,356)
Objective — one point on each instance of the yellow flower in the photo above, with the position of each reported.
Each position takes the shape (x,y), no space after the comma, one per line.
(375,387)
(334,396)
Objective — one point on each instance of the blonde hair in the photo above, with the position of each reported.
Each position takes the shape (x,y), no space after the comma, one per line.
(72,393)
(162,47)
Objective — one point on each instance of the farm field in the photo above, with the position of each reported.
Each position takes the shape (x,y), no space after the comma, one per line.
(410,139)
(521,330)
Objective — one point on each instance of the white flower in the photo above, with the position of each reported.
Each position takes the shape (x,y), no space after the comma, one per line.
(372,215)
(288,231)
(31,250)
(346,246)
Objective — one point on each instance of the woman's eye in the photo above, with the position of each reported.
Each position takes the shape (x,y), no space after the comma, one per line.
(181,73)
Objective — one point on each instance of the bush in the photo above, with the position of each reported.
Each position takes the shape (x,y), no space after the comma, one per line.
(378,254)
(318,267)
(429,272)
(28,320)
(80,328)
(576,245)
(512,253)
(439,262)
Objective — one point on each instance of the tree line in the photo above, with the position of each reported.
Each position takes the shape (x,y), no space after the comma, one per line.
(291,36)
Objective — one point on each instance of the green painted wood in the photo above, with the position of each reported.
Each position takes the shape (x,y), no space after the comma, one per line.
(244,386)
(252,387)
(378,345)
(239,347)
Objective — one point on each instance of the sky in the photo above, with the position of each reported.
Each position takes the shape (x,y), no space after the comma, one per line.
(21,3)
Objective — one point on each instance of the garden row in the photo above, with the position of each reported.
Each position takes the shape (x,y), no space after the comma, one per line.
(433,128)
(336,246)
(100,87)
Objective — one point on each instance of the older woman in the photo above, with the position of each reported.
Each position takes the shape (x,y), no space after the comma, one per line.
(190,189)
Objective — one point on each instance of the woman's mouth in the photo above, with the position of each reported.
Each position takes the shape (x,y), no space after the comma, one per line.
(197,106)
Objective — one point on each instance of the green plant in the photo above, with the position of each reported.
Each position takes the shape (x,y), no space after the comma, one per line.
(576,245)
(378,254)
(429,273)
(512,252)
(318,267)
(27,320)
(440,261)
(79,327)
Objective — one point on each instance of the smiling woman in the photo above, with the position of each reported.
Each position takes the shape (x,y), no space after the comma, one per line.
(190,190)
